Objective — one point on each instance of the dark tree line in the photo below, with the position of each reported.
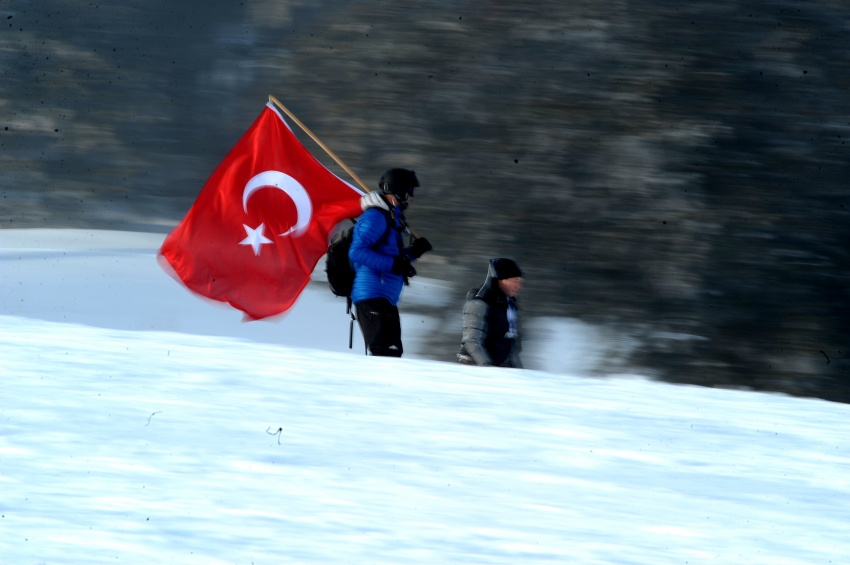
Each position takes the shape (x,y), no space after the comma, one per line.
(675,170)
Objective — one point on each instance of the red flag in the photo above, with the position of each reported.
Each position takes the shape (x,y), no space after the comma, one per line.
(261,222)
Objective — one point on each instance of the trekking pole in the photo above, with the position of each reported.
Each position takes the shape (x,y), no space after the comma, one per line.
(326,148)
(348,310)
(351,323)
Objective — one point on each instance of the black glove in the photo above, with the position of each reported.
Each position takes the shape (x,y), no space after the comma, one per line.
(402,266)
(419,247)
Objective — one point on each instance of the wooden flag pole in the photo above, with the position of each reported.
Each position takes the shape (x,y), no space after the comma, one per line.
(319,141)
(326,148)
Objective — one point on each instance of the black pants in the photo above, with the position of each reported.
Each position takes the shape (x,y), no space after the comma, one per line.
(381,326)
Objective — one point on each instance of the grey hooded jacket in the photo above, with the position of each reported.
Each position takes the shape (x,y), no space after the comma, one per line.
(486,337)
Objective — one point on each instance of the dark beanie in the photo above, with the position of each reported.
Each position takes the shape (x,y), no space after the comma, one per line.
(505,269)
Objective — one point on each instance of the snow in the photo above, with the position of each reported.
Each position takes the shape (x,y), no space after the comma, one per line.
(208,444)
(110,279)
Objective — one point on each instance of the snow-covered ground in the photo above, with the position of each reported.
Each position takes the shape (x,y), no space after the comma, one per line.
(111,279)
(206,445)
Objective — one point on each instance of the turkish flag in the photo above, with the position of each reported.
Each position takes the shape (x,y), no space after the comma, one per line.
(261,222)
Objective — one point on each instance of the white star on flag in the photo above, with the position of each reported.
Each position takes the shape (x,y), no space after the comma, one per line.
(255,238)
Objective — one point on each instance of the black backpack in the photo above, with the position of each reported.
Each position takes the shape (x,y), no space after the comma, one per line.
(338,266)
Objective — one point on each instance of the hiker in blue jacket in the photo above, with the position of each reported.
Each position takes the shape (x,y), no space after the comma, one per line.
(381,265)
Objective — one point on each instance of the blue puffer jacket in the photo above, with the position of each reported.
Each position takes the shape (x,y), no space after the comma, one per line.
(373,263)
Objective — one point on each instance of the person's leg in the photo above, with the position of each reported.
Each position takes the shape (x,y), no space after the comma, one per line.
(381,327)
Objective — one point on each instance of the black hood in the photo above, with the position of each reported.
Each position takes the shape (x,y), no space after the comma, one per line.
(487,288)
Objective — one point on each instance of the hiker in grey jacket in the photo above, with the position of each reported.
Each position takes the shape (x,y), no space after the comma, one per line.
(490,321)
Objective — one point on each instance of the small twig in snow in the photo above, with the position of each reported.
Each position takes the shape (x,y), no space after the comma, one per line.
(277,433)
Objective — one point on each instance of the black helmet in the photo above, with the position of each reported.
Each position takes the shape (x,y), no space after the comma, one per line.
(400,182)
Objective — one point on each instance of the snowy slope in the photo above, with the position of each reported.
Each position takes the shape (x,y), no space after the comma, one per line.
(111,279)
(154,447)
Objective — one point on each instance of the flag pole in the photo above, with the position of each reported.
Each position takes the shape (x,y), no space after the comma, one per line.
(317,140)
(326,148)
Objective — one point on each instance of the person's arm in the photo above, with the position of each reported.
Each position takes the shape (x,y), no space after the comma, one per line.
(475,330)
(368,231)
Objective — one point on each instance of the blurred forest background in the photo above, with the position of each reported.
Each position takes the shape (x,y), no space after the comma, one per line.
(675,171)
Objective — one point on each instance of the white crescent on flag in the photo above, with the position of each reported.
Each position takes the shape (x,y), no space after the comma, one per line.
(284,182)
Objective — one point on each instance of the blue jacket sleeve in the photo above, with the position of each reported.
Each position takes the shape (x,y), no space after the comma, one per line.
(368,231)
